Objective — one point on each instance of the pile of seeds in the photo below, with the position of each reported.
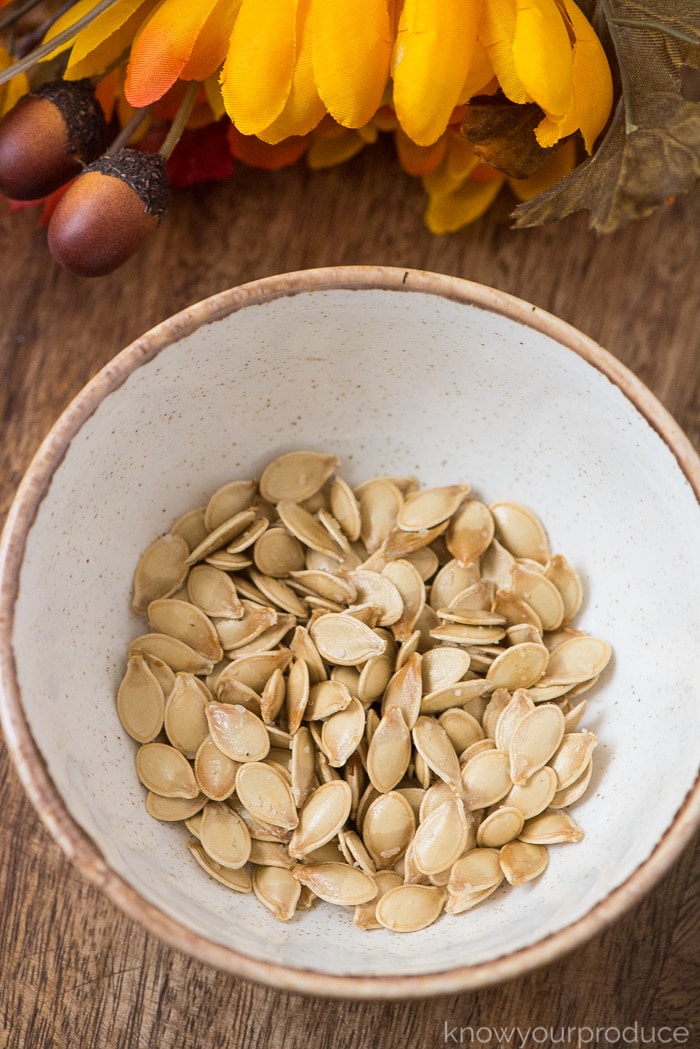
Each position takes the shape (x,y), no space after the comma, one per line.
(368,696)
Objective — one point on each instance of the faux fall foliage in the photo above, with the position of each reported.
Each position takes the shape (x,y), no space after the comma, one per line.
(573,105)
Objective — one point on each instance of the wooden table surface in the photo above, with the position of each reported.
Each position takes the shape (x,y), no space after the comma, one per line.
(74,971)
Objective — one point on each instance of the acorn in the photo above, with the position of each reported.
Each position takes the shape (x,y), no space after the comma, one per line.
(47,138)
(106,214)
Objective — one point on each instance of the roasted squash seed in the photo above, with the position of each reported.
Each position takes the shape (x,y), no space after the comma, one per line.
(366,695)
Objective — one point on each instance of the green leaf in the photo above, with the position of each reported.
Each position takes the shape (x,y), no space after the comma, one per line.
(651,150)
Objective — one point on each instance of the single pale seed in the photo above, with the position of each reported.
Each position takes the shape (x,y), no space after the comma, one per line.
(404,690)
(387,828)
(540,593)
(343,639)
(379,502)
(337,883)
(191,527)
(572,757)
(185,719)
(254,669)
(172,810)
(374,678)
(443,666)
(550,828)
(521,531)
(327,698)
(303,768)
(214,771)
(521,862)
(408,908)
(335,588)
(188,623)
(224,836)
(428,507)
(308,529)
(270,854)
(499,827)
(140,701)
(535,794)
(452,696)
(401,543)
(470,533)
(165,771)
(497,564)
(577,659)
(345,508)
(212,590)
(520,666)
(161,570)
(266,794)
(568,795)
(389,752)
(269,640)
(277,553)
(365,916)
(296,476)
(411,588)
(377,589)
(567,582)
(223,535)
(278,890)
(434,746)
(237,732)
(342,732)
(534,740)
(256,619)
(441,837)
(486,779)
(323,814)
(462,728)
(175,653)
(515,710)
(237,879)
(228,501)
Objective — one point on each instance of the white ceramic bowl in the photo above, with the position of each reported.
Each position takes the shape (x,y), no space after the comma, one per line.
(399,372)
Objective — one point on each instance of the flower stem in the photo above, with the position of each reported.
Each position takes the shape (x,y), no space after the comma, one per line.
(129,129)
(181,117)
(50,45)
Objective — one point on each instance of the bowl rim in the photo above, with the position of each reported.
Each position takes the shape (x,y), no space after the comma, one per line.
(29,762)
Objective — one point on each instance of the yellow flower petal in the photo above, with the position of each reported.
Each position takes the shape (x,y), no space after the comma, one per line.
(481,78)
(496,33)
(102,42)
(542,55)
(432,56)
(162,49)
(449,212)
(211,45)
(458,163)
(351,57)
(64,22)
(326,152)
(12,91)
(592,82)
(257,74)
(304,107)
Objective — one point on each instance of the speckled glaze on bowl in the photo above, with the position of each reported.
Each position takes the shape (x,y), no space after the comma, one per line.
(397,371)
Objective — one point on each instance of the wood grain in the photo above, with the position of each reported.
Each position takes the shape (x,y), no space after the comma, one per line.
(73,970)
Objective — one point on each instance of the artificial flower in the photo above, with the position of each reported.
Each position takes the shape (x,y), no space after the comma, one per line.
(320,80)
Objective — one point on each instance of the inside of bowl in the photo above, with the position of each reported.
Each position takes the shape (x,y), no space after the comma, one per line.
(393,382)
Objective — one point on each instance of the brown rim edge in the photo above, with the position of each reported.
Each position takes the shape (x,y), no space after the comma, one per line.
(29,762)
